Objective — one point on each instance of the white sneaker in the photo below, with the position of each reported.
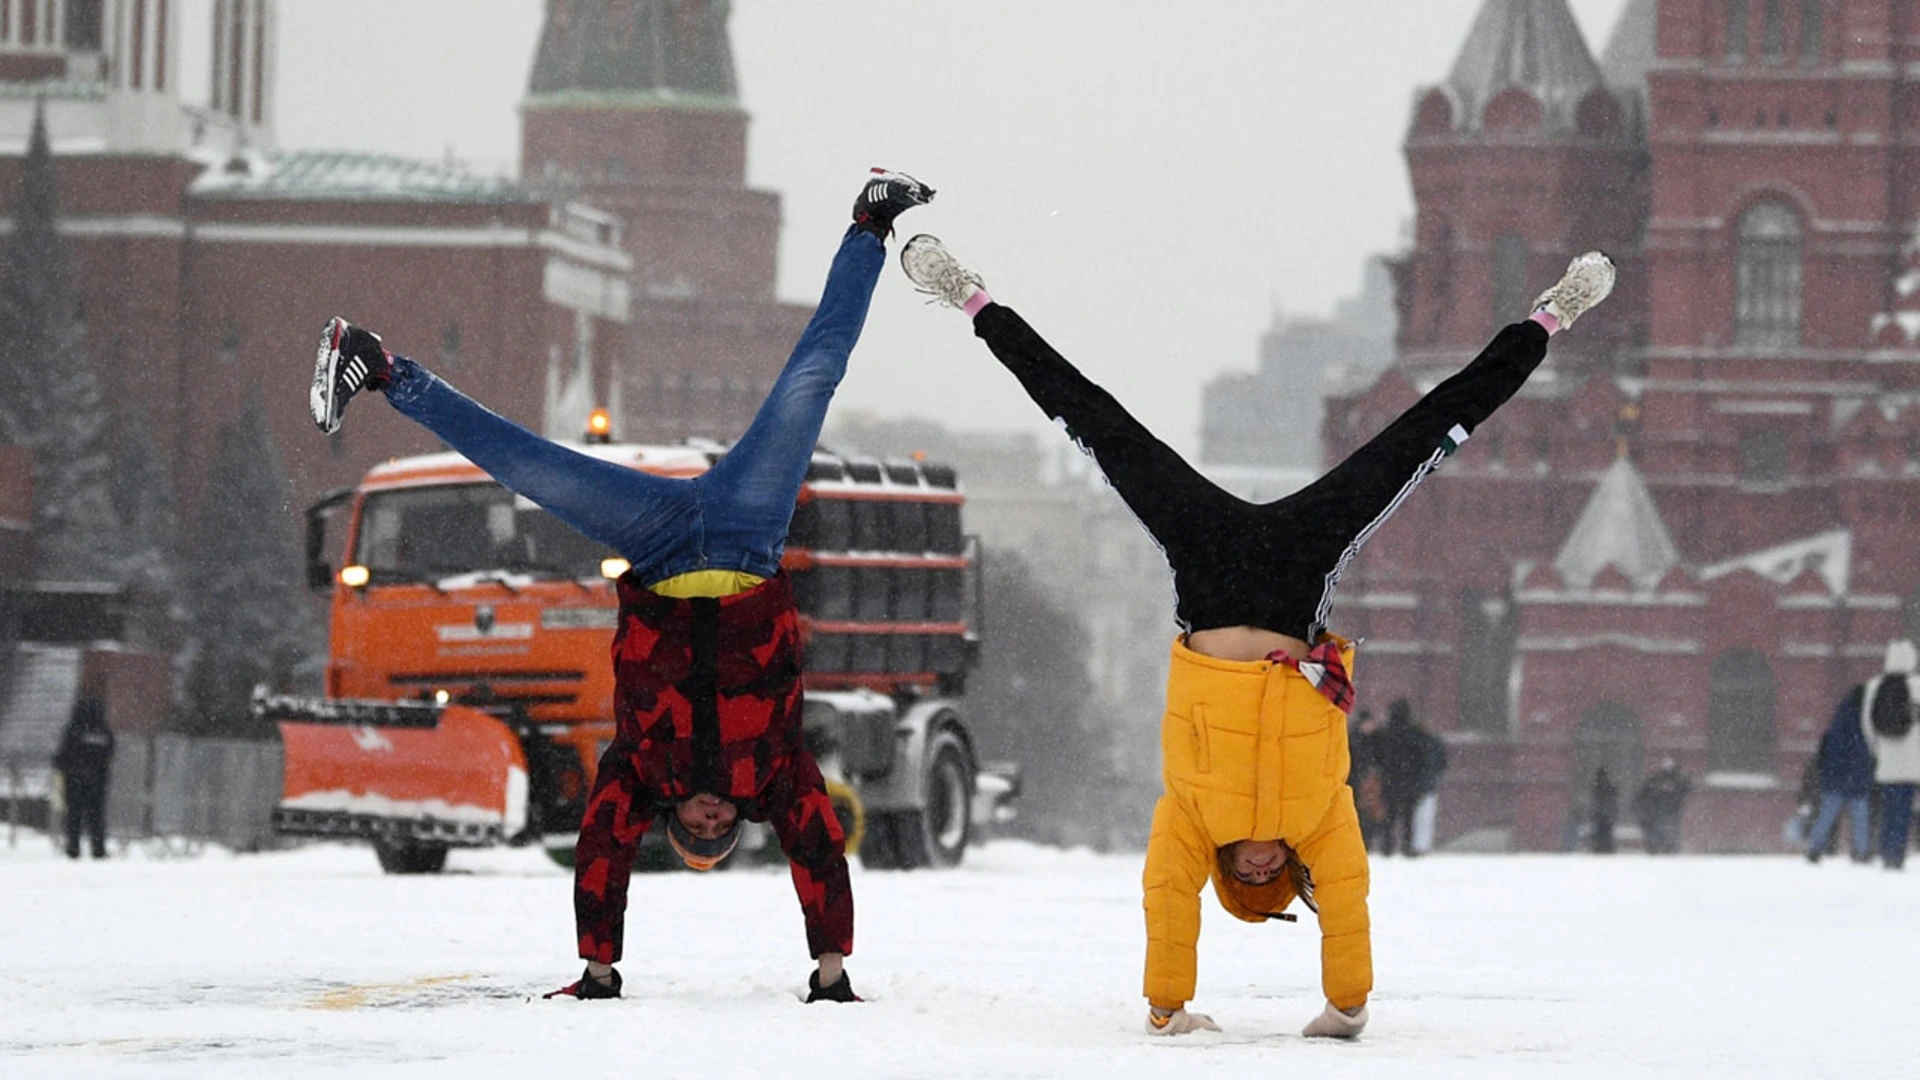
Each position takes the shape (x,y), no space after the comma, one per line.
(1179,1022)
(934,271)
(1588,280)
(1335,1024)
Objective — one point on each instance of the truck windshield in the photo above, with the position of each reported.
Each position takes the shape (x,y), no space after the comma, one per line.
(422,534)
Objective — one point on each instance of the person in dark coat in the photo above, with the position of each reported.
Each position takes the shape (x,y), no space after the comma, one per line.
(1893,738)
(1658,805)
(1426,805)
(1846,782)
(1363,776)
(1605,810)
(1406,761)
(85,759)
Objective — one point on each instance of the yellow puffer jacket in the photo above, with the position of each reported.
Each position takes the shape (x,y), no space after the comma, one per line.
(1253,752)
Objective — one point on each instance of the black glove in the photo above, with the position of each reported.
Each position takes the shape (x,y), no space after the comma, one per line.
(840,990)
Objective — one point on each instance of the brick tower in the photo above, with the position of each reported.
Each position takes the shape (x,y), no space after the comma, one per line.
(1691,532)
(1521,159)
(632,108)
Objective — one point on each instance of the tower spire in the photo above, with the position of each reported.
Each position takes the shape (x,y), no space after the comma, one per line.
(648,49)
(1532,44)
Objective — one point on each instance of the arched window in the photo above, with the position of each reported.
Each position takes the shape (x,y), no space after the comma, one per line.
(1488,628)
(1510,292)
(1767,277)
(1773,31)
(1812,31)
(1736,29)
(1741,729)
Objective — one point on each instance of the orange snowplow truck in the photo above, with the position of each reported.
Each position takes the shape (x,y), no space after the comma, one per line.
(469,686)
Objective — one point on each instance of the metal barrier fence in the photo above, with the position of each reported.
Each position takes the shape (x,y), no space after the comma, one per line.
(179,788)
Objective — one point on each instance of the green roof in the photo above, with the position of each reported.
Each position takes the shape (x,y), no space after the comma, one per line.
(635,47)
(333,174)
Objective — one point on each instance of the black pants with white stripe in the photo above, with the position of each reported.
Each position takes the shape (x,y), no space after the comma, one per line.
(1272,565)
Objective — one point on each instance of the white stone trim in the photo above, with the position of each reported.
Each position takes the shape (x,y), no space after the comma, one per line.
(1396,601)
(1764,408)
(1611,598)
(487,236)
(1630,642)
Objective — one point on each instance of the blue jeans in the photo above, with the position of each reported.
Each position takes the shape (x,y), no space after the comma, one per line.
(1896,819)
(1831,804)
(732,517)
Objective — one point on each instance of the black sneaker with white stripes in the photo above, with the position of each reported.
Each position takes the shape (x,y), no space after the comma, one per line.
(350,360)
(883,197)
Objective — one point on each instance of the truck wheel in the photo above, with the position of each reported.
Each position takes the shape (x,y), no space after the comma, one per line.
(947,821)
(879,850)
(935,835)
(403,858)
(894,841)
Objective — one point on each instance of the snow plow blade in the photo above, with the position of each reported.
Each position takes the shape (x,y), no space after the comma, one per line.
(397,771)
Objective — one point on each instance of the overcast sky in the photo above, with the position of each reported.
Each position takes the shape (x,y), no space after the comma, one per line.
(1144,180)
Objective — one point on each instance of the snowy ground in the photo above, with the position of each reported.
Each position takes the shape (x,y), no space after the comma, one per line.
(1023,964)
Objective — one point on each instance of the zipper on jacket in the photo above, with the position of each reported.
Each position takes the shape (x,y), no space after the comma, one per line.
(702,690)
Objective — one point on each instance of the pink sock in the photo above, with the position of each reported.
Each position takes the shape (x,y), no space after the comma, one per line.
(980,298)
(1546,320)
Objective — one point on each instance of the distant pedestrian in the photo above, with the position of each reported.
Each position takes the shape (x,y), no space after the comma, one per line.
(1426,807)
(85,760)
(1894,740)
(1604,810)
(1659,805)
(1844,767)
(1405,760)
(1806,804)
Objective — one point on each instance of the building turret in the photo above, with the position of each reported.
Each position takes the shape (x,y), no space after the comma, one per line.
(632,108)
(634,50)
(1519,161)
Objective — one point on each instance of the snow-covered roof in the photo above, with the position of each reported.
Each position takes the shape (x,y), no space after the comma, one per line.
(1532,44)
(340,174)
(1899,328)
(1620,527)
(1629,54)
(1828,554)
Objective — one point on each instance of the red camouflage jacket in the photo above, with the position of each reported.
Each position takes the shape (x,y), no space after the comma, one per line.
(708,694)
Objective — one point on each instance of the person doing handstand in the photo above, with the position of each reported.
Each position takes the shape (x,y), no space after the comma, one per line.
(1254,736)
(707,689)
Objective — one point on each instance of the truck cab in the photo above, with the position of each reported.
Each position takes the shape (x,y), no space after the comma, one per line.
(468,688)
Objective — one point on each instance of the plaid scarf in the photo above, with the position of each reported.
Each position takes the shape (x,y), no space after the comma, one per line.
(1324,669)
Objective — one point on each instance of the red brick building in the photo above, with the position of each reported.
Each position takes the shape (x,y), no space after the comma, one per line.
(1694,530)
(631,266)
(206,260)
